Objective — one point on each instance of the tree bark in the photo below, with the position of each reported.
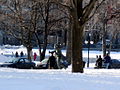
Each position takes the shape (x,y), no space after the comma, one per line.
(104,39)
(77,33)
(29,51)
(69,43)
(42,56)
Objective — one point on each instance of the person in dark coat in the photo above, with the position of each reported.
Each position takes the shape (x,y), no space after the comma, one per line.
(107,61)
(52,62)
(99,62)
(16,54)
(21,54)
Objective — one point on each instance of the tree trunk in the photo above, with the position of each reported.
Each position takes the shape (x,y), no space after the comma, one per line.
(39,44)
(42,56)
(77,35)
(46,31)
(69,43)
(104,39)
(111,42)
(69,50)
(29,51)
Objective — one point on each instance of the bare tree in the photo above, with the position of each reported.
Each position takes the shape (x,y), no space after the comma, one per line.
(107,14)
(50,22)
(18,21)
(81,11)
(29,19)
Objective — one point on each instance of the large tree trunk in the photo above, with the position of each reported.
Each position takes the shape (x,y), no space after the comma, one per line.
(77,34)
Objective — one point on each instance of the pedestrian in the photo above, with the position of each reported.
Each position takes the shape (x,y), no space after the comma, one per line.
(16,54)
(41,56)
(97,56)
(107,61)
(35,56)
(52,62)
(12,54)
(99,62)
(21,54)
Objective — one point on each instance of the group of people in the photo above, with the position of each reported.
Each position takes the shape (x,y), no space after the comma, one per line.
(106,60)
(22,55)
(56,61)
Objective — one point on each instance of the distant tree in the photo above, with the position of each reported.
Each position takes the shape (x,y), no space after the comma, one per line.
(18,21)
(30,19)
(50,22)
(107,15)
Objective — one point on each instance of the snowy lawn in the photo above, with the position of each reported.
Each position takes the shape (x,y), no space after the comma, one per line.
(92,79)
(31,79)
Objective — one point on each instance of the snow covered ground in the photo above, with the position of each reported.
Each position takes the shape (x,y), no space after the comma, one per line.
(30,79)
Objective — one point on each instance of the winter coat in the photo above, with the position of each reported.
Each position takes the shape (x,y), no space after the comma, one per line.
(16,54)
(52,62)
(107,59)
(21,54)
(99,62)
(35,56)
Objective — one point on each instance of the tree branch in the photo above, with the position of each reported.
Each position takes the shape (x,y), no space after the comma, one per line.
(95,11)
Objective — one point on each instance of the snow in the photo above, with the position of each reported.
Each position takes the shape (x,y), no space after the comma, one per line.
(41,79)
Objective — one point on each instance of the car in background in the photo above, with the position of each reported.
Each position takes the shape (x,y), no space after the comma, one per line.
(115,64)
(21,63)
(42,64)
(99,44)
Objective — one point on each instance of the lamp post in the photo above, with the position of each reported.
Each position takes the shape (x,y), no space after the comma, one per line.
(88,49)
(88,45)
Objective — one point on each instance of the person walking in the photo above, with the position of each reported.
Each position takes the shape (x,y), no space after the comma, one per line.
(35,56)
(16,54)
(21,54)
(107,61)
